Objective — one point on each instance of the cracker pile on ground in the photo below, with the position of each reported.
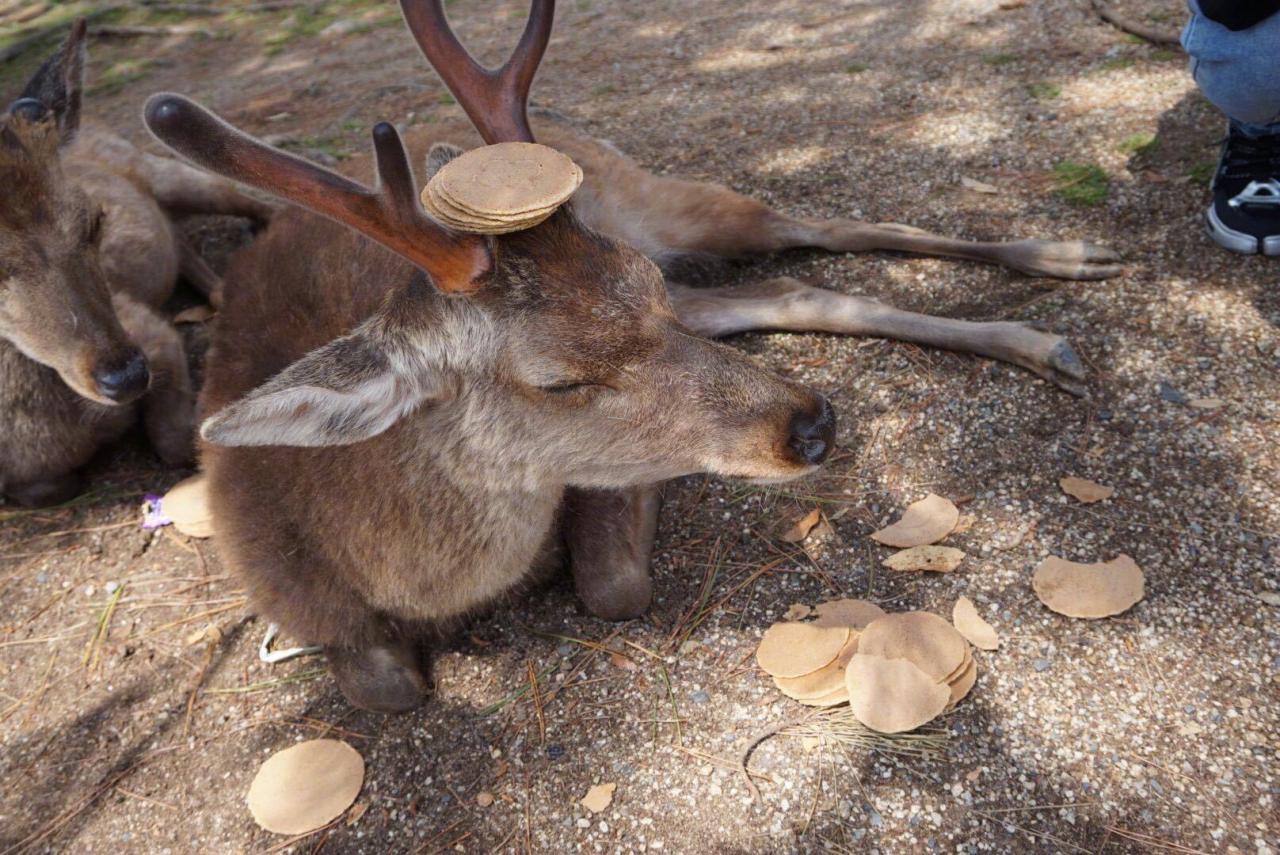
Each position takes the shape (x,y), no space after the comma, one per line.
(896,671)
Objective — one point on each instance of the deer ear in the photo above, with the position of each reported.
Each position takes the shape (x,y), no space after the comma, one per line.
(438,156)
(57,85)
(350,390)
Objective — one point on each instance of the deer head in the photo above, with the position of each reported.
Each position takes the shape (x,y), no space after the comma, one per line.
(553,345)
(54,304)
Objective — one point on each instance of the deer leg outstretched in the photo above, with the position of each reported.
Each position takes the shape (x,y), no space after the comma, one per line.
(670,218)
(787,304)
(1062,259)
(609,535)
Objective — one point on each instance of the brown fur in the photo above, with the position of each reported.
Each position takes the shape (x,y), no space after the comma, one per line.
(88,252)
(384,459)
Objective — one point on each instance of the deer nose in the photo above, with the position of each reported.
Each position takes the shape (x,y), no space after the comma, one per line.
(125,380)
(813,434)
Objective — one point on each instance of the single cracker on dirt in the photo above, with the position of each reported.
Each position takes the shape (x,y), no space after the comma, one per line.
(305,786)
(1089,590)
(924,522)
(967,621)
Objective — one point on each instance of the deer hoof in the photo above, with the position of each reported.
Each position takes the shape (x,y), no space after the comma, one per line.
(379,679)
(618,597)
(1063,259)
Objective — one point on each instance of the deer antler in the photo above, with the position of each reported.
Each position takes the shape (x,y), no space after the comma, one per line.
(494,99)
(389,214)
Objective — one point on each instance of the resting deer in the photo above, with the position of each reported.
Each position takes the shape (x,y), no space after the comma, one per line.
(88,251)
(396,438)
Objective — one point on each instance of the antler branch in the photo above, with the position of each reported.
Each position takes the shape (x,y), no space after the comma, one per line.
(389,214)
(494,99)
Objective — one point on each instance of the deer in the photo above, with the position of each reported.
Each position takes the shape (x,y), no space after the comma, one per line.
(403,424)
(89,251)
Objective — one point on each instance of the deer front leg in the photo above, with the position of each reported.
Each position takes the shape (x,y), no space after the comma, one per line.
(787,304)
(609,535)
(390,678)
(168,409)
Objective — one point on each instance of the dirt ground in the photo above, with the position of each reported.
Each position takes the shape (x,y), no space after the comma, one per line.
(126,725)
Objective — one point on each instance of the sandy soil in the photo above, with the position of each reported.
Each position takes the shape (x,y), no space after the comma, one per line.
(1153,731)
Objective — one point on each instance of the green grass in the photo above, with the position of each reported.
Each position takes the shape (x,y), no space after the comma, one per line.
(1116,63)
(1138,144)
(446,98)
(1044,90)
(1082,184)
(325,144)
(998,59)
(856,68)
(605,89)
(118,76)
(1203,171)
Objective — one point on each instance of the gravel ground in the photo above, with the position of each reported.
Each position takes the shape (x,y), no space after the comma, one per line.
(1153,731)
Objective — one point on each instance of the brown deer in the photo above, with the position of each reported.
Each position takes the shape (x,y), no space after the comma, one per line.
(88,251)
(396,438)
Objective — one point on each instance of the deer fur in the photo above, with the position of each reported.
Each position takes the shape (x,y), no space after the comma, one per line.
(385,458)
(88,252)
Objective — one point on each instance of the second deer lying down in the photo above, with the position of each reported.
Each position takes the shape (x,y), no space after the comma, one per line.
(88,252)
(389,450)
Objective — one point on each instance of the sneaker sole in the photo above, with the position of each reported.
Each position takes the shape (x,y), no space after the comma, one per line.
(1239,242)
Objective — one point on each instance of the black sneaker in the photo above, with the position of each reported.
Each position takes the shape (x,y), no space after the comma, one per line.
(1245,214)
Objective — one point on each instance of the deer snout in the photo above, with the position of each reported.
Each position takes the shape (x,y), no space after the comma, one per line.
(124,379)
(813,432)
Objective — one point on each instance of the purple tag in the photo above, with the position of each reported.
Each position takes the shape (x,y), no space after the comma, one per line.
(153,512)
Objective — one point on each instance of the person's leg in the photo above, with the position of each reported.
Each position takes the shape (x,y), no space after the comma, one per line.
(1239,72)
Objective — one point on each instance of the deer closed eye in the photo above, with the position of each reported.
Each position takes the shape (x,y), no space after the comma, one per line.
(93,226)
(571,388)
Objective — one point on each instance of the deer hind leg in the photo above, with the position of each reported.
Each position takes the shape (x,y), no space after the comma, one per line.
(609,536)
(787,304)
(687,218)
(193,268)
(183,190)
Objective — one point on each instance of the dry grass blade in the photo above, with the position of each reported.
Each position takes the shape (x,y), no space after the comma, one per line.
(104,620)
(840,726)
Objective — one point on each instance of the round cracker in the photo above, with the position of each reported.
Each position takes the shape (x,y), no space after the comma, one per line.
(961,686)
(509,178)
(442,213)
(960,669)
(932,644)
(305,786)
(839,696)
(893,695)
(924,522)
(187,506)
(791,649)
(1089,590)
(824,681)
(440,201)
(443,196)
(967,621)
(856,614)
